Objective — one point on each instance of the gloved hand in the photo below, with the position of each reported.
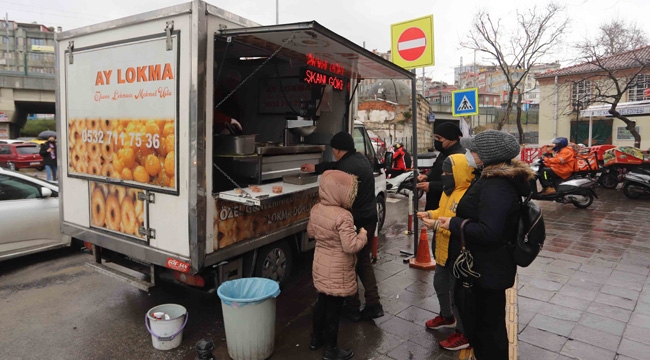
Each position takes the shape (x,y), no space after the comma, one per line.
(236,124)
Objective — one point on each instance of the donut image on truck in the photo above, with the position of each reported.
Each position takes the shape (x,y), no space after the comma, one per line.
(183,132)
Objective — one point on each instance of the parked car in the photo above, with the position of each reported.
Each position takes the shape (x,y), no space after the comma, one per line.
(29,216)
(378,144)
(11,141)
(20,156)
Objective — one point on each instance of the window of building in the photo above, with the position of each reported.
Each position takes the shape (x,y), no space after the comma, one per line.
(581,93)
(636,91)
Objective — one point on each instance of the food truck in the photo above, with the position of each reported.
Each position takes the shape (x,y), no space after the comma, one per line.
(153,177)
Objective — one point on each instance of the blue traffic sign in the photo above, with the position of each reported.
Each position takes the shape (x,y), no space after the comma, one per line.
(464,102)
(431,119)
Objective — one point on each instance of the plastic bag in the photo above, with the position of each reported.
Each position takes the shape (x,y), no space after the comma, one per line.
(248,291)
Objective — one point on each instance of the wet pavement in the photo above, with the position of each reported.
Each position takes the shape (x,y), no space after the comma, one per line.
(586,297)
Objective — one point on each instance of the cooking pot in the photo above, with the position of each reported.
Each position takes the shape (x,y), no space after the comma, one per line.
(234,144)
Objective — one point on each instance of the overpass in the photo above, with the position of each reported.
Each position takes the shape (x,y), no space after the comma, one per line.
(22,94)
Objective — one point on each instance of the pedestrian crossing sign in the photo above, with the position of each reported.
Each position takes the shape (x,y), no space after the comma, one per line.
(464,102)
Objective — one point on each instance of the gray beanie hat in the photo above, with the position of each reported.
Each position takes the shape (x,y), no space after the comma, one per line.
(492,146)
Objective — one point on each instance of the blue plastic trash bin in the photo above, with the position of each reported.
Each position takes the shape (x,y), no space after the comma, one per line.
(248,307)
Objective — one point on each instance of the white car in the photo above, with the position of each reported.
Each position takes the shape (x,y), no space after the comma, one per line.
(29,216)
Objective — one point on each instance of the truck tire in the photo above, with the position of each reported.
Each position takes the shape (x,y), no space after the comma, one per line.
(274,261)
(381,212)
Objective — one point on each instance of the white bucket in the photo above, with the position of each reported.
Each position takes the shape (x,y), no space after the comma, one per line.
(166,334)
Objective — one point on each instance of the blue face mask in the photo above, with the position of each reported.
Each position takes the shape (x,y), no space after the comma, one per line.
(470,159)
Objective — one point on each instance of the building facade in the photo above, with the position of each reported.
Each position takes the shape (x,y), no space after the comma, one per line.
(26,48)
(568,101)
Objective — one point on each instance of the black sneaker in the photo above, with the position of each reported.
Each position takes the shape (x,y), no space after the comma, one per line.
(352,314)
(372,311)
(316,342)
(336,353)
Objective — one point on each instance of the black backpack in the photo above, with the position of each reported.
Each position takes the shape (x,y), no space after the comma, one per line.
(531,233)
(407,159)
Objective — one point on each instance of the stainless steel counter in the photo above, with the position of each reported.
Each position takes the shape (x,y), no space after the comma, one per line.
(274,162)
(289,150)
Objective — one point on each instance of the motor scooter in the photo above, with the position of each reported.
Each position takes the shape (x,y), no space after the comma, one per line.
(637,183)
(578,192)
(402,184)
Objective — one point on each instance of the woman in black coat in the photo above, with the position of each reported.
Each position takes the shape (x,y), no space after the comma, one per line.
(48,152)
(492,206)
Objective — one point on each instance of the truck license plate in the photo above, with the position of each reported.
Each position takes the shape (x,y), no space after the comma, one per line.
(34,163)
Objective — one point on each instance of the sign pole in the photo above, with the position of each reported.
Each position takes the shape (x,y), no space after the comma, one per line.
(414,119)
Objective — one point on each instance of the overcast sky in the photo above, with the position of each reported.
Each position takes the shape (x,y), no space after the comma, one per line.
(359,20)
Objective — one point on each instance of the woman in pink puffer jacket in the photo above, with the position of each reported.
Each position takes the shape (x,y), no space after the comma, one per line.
(337,242)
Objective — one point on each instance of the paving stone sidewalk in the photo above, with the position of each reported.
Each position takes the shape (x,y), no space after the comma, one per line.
(588,294)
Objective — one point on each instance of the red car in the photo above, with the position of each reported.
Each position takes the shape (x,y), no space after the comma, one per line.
(20,156)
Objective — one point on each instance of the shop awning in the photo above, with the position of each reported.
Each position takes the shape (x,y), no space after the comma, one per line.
(636,108)
(311,38)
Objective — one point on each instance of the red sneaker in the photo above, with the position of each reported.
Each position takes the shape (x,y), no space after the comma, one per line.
(440,322)
(457,341)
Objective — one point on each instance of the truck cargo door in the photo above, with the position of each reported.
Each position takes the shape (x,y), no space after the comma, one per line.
(123,95)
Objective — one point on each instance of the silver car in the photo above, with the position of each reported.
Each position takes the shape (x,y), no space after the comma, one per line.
(29,216)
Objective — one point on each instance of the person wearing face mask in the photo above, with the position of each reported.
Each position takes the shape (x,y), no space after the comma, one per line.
(456,177)
(446,141)
(489,211)
(48,152)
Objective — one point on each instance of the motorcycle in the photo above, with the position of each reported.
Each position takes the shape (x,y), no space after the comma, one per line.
(637,183)
(402,184)
(578,192)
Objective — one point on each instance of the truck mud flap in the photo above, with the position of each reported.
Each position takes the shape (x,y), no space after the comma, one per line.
(119,275)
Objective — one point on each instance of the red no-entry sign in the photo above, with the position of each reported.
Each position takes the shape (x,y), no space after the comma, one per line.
(411,44)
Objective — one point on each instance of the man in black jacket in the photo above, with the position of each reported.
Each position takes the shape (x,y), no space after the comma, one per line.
(364,212)
(446,140)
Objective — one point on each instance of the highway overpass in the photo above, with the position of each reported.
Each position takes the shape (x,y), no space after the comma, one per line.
(22,94)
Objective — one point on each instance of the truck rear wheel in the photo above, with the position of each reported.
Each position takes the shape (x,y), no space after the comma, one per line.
(274,261)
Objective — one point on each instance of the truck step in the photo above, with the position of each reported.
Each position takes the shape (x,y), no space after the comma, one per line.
(116,274)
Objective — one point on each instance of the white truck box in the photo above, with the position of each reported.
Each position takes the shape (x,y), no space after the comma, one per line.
(135,103)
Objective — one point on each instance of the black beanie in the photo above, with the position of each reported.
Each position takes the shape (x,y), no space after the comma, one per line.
(342,141)
(448,131)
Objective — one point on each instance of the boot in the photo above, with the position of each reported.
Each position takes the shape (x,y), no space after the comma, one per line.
(372,312)
(336,353)
(549,191)
(316,342)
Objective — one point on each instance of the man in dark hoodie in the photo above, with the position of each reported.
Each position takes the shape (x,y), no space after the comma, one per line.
(445,140)
(364,212)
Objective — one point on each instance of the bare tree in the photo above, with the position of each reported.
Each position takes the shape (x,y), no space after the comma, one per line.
(617,36)
(537,32)
(614,75)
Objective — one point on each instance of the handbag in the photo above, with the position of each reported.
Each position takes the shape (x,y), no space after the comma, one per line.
(464,264)
(464,293)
